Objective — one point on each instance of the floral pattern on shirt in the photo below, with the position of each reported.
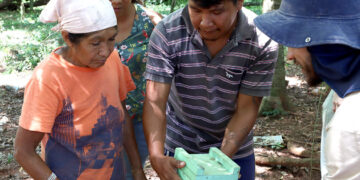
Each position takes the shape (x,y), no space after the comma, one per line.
(133,53)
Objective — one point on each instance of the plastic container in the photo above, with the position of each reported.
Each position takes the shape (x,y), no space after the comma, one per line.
(213,166)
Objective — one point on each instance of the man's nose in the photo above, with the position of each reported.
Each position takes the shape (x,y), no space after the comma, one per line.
(290,56)
(206,20)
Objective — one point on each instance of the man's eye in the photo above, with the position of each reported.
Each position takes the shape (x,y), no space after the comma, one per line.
(217,12)
(95,44)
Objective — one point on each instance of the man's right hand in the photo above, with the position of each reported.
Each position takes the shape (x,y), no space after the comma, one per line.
(336,102)
(166,167)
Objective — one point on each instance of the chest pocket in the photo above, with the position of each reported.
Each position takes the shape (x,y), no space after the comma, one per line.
(230,76)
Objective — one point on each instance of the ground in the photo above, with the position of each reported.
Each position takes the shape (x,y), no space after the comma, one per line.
(301,126)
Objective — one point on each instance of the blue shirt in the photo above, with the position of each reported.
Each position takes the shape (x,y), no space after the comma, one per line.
(337,65)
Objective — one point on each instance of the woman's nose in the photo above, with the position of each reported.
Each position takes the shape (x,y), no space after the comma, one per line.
(105,51)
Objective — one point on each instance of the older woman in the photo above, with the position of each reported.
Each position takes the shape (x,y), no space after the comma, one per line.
(74,102)
(135,24)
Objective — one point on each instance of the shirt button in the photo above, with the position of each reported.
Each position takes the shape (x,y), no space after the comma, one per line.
(308,39)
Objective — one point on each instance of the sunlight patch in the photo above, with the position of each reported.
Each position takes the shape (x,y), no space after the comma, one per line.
(14,36)
(295,81)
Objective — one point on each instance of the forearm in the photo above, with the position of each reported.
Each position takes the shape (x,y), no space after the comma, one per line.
(33,165)
(240,124)
(154,122)
(131,146)
(154,119)
(235,134)
(24,152)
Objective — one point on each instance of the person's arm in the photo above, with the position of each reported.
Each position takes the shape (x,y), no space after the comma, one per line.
(25,144)
(154,122)
(240,124)
(154,16)
(131,147)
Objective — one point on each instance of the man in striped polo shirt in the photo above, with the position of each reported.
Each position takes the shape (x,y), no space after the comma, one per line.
(207,71)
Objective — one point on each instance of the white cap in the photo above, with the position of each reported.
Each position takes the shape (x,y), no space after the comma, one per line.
(79,16)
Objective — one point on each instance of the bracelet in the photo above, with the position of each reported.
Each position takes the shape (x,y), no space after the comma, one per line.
(52,176)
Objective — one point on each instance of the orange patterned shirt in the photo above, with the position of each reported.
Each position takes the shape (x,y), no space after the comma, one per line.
(79,110)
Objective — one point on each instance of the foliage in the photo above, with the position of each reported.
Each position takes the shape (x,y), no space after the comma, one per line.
(25,42)
(163,6)
(257,7)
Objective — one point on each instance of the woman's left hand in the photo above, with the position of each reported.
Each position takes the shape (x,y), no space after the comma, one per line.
(138,174)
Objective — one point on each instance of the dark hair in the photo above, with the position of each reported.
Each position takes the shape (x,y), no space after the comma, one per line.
(75,37)
(209,3)
(137,1)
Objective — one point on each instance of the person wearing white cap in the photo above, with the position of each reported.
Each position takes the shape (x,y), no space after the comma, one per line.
(323,38)
(74,102)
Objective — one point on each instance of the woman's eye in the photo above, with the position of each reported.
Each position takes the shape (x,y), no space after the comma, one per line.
(95,44)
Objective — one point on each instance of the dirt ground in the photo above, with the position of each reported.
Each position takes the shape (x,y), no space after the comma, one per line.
(301,126)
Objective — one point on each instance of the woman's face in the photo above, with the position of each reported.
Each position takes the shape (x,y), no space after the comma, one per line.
(120,5)
(93,50)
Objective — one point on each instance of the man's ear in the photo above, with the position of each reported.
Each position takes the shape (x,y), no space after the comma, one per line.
(65,36)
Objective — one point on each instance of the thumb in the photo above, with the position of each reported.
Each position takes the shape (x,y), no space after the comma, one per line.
(178,164)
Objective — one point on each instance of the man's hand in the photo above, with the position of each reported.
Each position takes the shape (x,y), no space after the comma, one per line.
(166,167)
(336,102)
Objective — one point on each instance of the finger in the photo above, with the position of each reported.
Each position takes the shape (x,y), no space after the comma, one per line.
(177,164)
(180,164)
(170,174)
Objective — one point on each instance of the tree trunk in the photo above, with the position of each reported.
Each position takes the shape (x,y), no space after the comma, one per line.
(173,3)
(300,151)
(22,10)
(277,102)
(287,162)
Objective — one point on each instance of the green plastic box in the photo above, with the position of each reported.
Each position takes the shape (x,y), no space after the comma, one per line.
(213,166)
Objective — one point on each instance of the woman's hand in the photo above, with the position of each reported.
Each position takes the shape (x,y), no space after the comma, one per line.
(138,174)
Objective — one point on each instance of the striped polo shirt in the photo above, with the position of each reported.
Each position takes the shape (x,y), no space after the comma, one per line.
(204,89)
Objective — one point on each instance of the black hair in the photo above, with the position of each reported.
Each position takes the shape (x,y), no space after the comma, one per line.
(137,1)
(209,3)
(75,37)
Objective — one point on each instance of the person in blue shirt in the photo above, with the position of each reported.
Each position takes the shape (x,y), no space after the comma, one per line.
(322,36)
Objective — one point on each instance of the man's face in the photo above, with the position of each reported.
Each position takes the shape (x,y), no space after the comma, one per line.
(216,21)
(302,57)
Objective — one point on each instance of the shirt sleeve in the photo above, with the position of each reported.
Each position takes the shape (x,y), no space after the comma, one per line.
(159,66)
(125,80)
(257,80)
(40,107)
